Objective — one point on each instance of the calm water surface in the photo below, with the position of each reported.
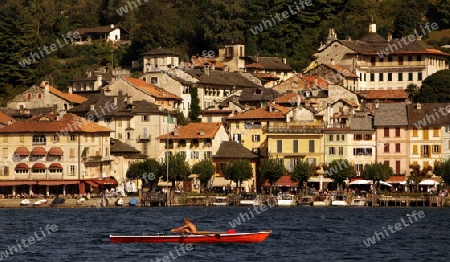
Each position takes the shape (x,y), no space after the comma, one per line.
(300,234)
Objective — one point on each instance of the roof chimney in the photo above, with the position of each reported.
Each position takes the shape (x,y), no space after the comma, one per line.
(284,60)
(389,37)
(115,101)
(46,86)
(112,25)
(372,28)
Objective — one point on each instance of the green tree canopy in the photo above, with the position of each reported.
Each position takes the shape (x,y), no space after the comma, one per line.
(238,171)
(271,169)
(435,88)
(148,171)
(377,172)
(302,172)
(340,170)
(195,110)
(205,169)
(442,169)
(178,170)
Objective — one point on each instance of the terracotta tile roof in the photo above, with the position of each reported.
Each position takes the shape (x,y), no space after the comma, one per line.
(200,62)
(396,179)
(342,70)
(387,94)
(349,102)
(193,131)
(4,118)
(321,82)
(254,66)
(233,150)
(49,123)
(278,112)
(289,98)
(151,89)
(299,82)
(284,180)
(74,98)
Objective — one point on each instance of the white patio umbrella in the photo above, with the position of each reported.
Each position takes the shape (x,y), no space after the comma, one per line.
(428,182)
(360,182)
(385,183)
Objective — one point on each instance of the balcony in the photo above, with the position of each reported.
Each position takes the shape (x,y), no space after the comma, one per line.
(97,159)
(295,127)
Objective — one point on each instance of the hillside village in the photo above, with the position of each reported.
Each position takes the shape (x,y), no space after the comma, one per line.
(349,103)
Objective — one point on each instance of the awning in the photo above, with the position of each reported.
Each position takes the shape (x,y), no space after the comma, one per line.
(22,165)
(361,182)
(91,183)
(284,181)
(55,151)
(55,165)
(106,182)
(58,182)
(220,181)
(316,179)
(397,180)
(39,166)
(17,182)
(38,151)
(428,182)
(22,151)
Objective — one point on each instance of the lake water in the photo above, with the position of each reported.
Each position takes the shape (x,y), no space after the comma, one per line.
(299,234)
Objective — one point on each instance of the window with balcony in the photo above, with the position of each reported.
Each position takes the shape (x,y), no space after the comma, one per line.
(362,151)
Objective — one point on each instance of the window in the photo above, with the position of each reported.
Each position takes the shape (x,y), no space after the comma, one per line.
(145,118)
(397,148)
(410,58)
(55,139)
(22,138)
(295,146)
(389,76)
(357,137)
(195,155)
(237,138)
(372,77)
(5,139)
(72,138)
(28,96)
(386,162)
(415,132)
(256,138)
(380,76)
(92,138)
(154,80)
(340,137)
(372,61)
(386,147)
(331,137)
(397,131)
(39,140)
(341,150)
(72,153)
(397,167)
(279,146)
(419,76)
(389,58)
(331,151)
(119,136)
(367,137)
(311,146)
(425,133)
(400,76)
(400,60)
(292,163)
(5,152)
(419,58)
(425,151)
(386,132)
(72,170)
(362,151)
(415,150)
(435,132)
(119,123)
(208,154)
(436,149)
(410,76)
(381,59)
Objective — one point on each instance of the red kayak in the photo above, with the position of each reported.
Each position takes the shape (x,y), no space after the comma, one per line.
(220,237)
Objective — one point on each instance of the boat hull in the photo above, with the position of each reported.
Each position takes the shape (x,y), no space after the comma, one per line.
(239,238)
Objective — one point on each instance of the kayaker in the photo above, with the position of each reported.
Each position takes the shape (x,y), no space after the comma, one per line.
(187,228)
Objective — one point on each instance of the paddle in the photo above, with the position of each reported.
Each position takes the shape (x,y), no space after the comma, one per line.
(229,231)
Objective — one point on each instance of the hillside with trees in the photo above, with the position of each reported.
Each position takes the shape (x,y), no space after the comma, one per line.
(189,27)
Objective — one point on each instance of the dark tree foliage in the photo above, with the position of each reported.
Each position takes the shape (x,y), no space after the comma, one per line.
(178,170)
(238,171)
(271,169)
(205,170)
(195,110)
(435,88)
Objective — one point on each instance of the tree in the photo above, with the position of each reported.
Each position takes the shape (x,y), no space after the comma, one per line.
(340,170)
(435,88)
(238,171)
(302,172)
(413,90)
(178,169)
(148,171)
(442,169)
(271,169)
(205,169)
(416,175)
(195,109)
(377,172)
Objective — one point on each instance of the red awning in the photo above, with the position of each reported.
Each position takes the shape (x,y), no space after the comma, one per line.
(106,182)
(55,165)
(17,182)
(38,151)
(22,165)
(55,151)
(91,183)
(58,182)
(284,181)
(39,166)
(22,151)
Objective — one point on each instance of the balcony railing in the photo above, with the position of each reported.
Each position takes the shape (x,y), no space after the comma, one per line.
(295,127)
